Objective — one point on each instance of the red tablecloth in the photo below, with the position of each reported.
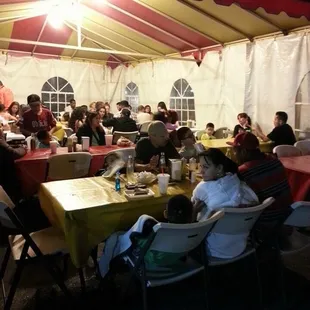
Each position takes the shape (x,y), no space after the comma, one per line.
(31,169)
(298,173)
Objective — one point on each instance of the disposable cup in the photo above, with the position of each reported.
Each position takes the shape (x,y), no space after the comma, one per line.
(85,144)
(108,140)
(53,146)
(163,181)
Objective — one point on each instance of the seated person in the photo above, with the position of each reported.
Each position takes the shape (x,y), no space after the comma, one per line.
(44,138)
(8,178)
(77,119)
(148,149)
(265,174)
(209,132)
(161,116)
(143,117)
(123,123)
(65,119)
(185,135)
(92,129)
(179,210)
(14,109)
(37,118)
(172,120)
(69,109)
(5,117)
(282,134)
(243,125)
(222,188)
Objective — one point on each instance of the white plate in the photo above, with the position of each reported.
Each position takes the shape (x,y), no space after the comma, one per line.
(129,194)
(146,180)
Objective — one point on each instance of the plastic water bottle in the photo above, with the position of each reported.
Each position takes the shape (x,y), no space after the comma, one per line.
(117,182)
(130,171)
(33,142)
(192,169)
(162,162)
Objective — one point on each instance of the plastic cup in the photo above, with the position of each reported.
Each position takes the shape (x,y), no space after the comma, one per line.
(163,181)
(108,140)
(85,144)
(53,146)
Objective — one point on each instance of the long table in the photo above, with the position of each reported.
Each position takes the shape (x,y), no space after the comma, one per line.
(298,174)
(31,169)
(89,210)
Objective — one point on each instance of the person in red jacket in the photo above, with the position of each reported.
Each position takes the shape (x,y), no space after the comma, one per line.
(6,95)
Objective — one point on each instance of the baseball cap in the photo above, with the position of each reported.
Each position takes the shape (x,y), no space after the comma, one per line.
(157,128)
(245,140)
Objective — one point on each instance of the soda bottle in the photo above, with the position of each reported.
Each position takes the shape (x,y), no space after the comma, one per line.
(130,171)
(162,162)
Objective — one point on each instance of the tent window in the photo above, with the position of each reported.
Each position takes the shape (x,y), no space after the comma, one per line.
(182,101)
(132,95)
(56,93)
(302,108)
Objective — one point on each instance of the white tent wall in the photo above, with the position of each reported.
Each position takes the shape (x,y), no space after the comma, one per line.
(26,75)
(218,84)
(275,69)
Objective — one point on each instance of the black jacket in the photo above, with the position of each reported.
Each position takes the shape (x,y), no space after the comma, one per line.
(86,131)
(124,124)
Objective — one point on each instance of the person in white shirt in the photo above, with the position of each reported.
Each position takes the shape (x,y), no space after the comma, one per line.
(143,117)
(71,106)
(222,188)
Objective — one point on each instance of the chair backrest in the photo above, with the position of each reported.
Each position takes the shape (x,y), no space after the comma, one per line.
(198,134)
(240,220)
(303,146)
(300,217)
(5,198)
(125,153)
(220,133)
(144,127)
(182,238)
(69,132)
(286,151)
(68,166)
(132,135)
(5,202)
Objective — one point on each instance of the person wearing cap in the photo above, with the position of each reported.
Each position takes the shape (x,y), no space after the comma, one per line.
(148,149)
(123,123)
(36,118)
(265,174)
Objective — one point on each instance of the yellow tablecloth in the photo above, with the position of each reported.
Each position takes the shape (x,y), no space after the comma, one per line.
(221,144)
(89,210)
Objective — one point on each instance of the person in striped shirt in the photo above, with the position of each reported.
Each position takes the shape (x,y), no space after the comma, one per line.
(266,176)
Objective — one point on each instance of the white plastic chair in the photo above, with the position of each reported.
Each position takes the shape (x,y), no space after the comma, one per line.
(68,166)
(303,146)
(299,218)
(68,131)
(144,127)
(286,151)
(125,153)
(178,239)
(132,135)
(198,134)
(220,133)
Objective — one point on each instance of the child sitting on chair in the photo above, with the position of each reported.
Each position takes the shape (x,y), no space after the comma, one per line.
(209,132)
(221,188)
(187,139)
(179,210)
(44,138)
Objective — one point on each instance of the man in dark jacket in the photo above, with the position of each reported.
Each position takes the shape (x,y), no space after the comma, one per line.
(123,123)
(8,178)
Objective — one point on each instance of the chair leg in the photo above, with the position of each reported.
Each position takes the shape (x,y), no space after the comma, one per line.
(8,302)
(82,279)
(3,269)
(260,290)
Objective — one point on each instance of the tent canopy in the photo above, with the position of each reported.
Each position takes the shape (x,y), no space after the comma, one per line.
(124,31)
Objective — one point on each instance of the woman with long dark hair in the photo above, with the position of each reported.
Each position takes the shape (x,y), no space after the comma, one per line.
(13,109)
(92,128)
(77,119)
(161,107)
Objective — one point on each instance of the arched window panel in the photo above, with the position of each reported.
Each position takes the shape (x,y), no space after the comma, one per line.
(56,93)
(132,95)
(182,101)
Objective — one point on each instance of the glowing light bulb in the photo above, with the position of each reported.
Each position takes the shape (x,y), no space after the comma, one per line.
(55,18)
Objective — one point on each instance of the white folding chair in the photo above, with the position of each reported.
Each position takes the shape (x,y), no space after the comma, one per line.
(125,153)
(299,218)
(68,166)
(68,131)
(303,146)
(198,134)
(286,151)
(175,239)
(132,135)
(144,127)
(220,133)
(240,221)
(27,248)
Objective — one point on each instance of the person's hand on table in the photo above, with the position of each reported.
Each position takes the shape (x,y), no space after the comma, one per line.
(154,162)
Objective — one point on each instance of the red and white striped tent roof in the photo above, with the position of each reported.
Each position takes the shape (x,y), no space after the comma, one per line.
(125,31)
